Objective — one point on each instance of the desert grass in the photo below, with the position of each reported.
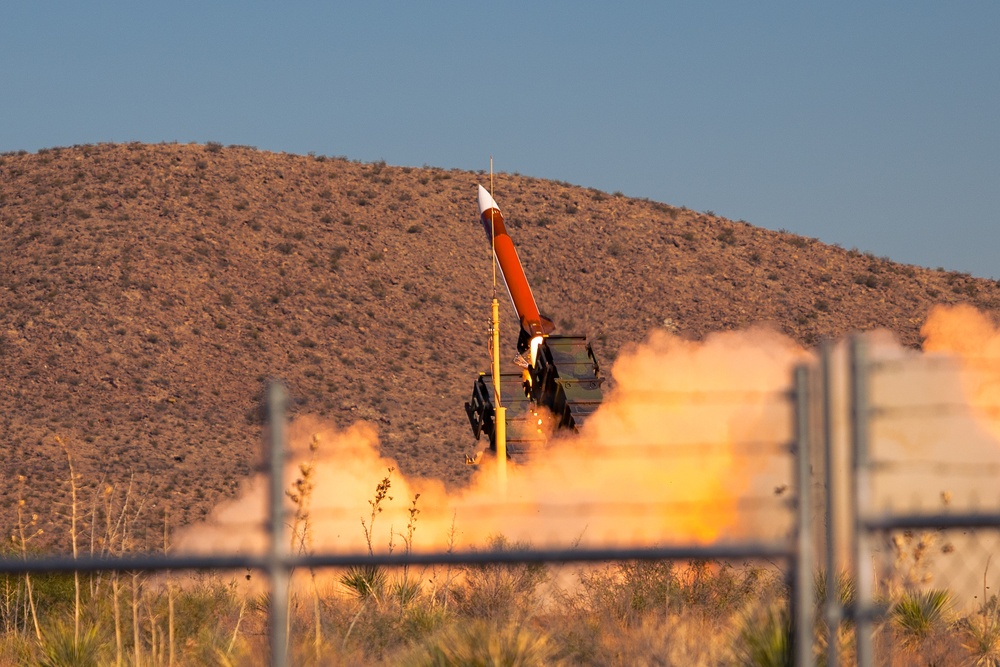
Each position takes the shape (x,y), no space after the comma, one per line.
(619,613)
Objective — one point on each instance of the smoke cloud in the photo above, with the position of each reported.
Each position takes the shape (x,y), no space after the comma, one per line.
(689,447)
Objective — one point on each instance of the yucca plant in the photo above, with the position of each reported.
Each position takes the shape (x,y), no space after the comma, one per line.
(765,638)
(365,581)
(918,614)
(405,591)
(981,634)
(846,591)
(64,645)
(982,639)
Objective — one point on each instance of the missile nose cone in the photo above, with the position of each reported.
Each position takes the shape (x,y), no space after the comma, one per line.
(486,202)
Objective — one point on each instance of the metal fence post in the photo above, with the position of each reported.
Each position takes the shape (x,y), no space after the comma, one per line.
(277,565)
(833,612)
(802,615)
(860,416)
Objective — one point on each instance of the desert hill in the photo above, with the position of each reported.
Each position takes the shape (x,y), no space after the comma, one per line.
(149,291)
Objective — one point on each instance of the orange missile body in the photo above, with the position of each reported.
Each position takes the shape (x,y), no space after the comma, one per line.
(533,323)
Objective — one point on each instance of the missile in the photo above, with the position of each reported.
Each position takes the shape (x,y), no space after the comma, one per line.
(534,325)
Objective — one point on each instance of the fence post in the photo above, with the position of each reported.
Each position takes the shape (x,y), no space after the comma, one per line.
(833,611)
(860,415)
(802,610)
(277,567)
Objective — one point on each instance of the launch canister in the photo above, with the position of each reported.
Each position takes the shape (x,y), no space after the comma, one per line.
(533,323)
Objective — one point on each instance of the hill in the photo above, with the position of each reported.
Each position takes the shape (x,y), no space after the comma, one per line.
(150,291)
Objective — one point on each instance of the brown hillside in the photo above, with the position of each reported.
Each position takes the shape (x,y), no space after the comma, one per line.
(148,291)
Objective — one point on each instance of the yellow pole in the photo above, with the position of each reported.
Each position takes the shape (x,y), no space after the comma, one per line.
(501,411)
(502,450)
(500,422)
(496,349)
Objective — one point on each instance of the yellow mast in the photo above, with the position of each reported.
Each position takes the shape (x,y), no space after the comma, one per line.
(500,423)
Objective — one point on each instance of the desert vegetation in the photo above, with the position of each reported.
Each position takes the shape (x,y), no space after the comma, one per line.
(623,613)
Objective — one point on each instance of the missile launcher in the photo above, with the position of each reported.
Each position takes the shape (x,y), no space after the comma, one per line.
(559,385)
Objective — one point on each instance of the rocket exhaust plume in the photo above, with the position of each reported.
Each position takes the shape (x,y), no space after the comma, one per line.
(690,447)
(670,457)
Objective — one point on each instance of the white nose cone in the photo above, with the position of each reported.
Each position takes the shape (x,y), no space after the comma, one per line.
(486,202)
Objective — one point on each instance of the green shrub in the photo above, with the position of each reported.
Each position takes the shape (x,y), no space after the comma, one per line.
(365,581)
(918,615)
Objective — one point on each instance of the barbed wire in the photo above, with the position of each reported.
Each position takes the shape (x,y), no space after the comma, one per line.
(780,504)
(665,450)
(932,410)
(948,360)
(968,467)
(750,397)
(749,550)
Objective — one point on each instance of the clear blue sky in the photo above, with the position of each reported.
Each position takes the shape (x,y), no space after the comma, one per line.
(872,125)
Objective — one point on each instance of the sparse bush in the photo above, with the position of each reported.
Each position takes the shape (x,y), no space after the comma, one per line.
(335,255)
(479,642)
(500,591)
(981,634)
(727,236)
(869,280)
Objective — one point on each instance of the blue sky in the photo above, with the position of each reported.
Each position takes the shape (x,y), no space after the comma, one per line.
(871,125)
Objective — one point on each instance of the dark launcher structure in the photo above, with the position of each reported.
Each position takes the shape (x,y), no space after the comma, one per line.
(559,384)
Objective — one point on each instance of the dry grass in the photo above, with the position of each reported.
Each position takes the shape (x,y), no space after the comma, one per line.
(629,613)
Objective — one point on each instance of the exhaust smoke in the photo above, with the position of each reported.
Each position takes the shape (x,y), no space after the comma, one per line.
(690,447)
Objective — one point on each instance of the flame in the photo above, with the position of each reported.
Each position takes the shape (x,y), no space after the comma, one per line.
(536,341)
